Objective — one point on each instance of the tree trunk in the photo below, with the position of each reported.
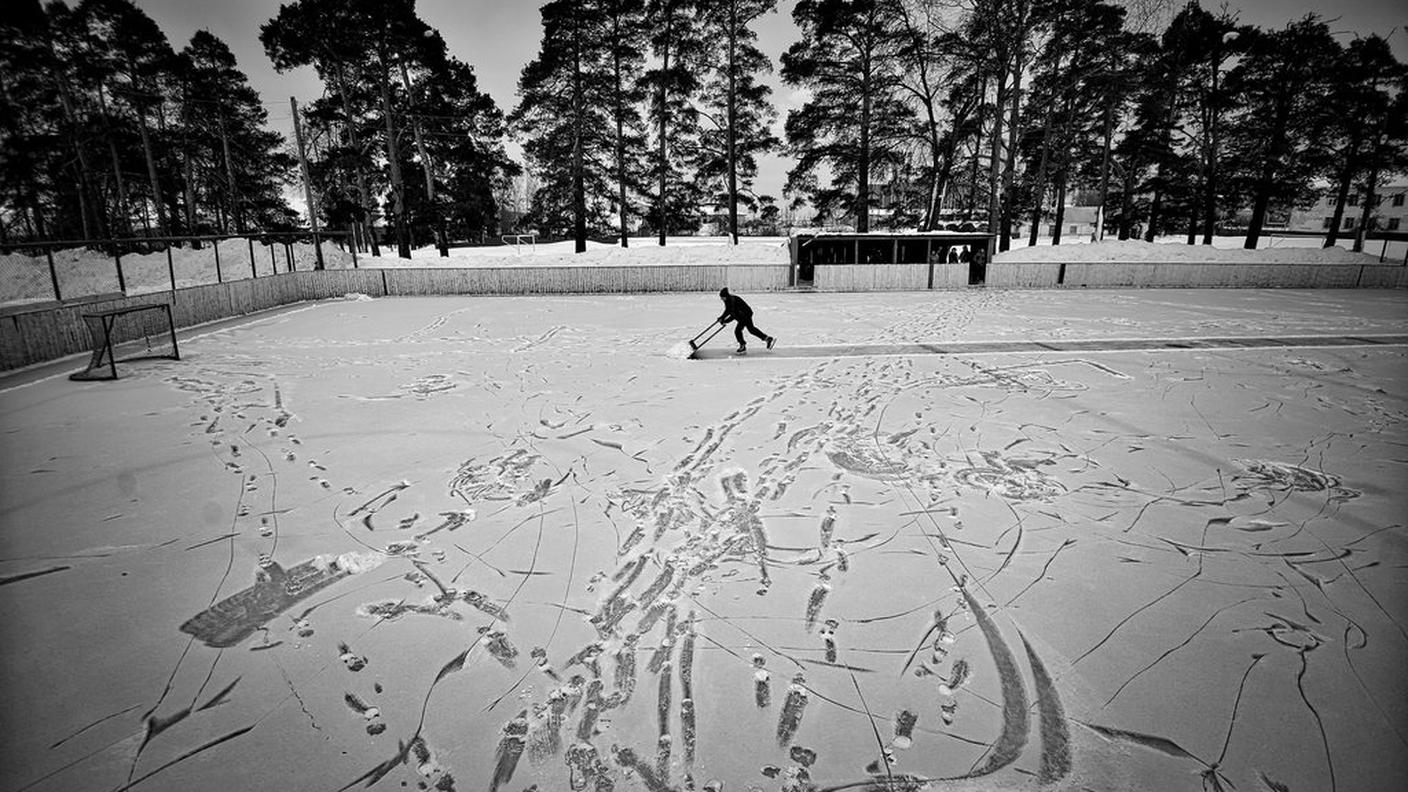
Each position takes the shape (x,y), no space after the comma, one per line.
(368,210)
(1104,174)
(232,197)
(151,173)
(995,154)
(393,156)
(1126,202)
(190,179)
(977,145)
(1060,217)
(1366,215)
(442,242)
(579,194)
(123,224)
(1156,206)
(620,113)
(1039,190)
(1261,200)
(862,206)
(732,121)
(1332,234)
(1210,193)
(664,121)
(1010,167)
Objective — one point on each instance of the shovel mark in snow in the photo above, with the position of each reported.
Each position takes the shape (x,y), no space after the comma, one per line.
(762,682)
(815,603)
(687,714)
(626,667)
(510,750)
(793,707)
(231,620)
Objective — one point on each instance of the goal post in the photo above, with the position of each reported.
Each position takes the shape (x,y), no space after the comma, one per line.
(133,333)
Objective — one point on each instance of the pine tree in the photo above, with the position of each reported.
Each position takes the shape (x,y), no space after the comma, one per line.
(856,118)
(32,132)
(735,102)
(672,84)
(233,164)
(565,99)
(458,132)
(1075,87)
(1001,30)
(1359,121)
(1281,85)
(625,35)
(326,35)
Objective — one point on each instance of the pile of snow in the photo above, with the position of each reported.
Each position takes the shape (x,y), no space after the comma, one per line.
(1135,250)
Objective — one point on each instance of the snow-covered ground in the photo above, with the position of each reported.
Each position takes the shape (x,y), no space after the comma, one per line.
(1284,250)
(26,279)
(479,543)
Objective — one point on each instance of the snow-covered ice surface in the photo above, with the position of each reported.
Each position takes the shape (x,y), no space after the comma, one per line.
(491,543)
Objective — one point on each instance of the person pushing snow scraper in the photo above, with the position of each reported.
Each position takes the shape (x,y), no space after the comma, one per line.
(737,310)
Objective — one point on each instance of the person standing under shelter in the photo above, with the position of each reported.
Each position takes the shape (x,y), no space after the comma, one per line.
(737,310)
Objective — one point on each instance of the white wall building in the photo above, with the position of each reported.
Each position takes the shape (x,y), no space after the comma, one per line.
(1390,212)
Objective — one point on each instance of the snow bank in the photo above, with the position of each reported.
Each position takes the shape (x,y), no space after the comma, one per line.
(1134,251)
(687,251)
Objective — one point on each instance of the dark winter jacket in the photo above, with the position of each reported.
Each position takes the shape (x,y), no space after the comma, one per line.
(735,308)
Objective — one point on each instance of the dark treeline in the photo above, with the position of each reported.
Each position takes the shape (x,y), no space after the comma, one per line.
(997,112)
(108,131)
(649,116)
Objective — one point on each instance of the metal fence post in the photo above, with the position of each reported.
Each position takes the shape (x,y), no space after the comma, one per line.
(53,273)
(218,278)
(170,268)
(253,271)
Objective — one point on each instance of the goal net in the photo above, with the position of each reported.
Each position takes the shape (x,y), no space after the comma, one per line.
(136,333)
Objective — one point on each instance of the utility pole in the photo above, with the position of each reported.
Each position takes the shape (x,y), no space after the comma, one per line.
(307,182)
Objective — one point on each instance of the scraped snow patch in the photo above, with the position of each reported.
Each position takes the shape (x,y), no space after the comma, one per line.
(356,297)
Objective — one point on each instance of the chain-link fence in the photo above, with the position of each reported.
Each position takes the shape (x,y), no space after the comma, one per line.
(38,272)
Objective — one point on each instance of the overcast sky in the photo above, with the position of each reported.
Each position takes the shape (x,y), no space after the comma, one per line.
(498,37)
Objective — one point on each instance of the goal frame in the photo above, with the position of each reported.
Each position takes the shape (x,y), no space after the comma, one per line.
(100,331)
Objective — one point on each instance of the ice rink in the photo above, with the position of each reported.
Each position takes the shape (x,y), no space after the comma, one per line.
(1147,539)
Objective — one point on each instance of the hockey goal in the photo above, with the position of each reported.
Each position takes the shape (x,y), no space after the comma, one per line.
(134,333)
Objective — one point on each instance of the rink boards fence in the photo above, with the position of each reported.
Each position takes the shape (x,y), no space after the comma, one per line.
(39,332)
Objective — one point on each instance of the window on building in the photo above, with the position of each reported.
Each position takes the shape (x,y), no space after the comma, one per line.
(1075,229)
(1349,223)
(1354,199)
(1398,199)
(1393,224)
(1328,220)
